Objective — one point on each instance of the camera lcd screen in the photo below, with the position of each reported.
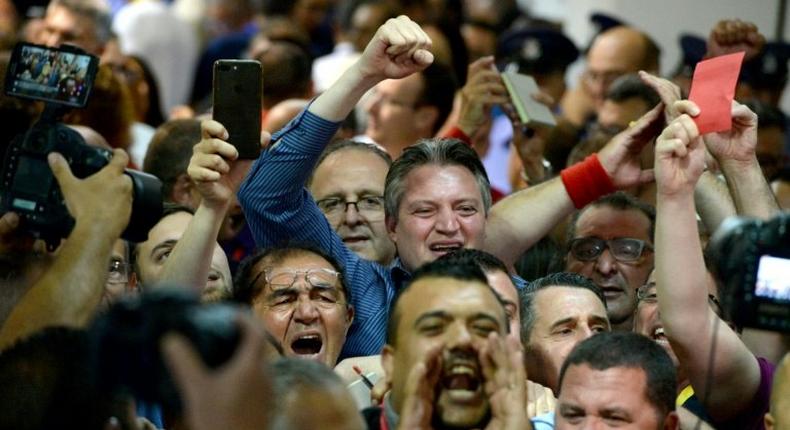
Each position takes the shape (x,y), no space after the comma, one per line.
(773,278)
(50,74)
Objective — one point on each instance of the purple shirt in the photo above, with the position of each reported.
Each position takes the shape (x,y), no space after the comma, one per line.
(752,417)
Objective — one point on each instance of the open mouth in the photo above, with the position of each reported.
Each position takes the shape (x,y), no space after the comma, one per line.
(659,336)
(445,248)
(462,382)
(310,344)
(214,276)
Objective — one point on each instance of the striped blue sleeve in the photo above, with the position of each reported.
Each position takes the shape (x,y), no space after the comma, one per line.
(280,210)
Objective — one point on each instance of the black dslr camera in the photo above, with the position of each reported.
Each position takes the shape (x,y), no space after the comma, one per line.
(62,78)
(751,258)
(125,341)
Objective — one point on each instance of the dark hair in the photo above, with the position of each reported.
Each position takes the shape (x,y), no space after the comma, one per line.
(169,152)
(47,381)
(619,201)
(630,350)
(246,290)
(154,116)
(287,70)
(345,144)
(770,116)
(168,209)
(541,259)
(344,14)
(560,279)
(630,86)
(486,261)
(442,152)
(439,84)
(436,269)
(109,111)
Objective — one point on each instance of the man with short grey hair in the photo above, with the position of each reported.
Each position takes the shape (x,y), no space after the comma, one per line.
(83,23)
(558,312)
(445,199)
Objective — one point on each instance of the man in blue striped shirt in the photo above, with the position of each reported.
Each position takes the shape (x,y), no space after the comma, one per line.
(437,195)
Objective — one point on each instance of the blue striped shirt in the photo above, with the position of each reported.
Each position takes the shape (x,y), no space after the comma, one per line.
(279,209)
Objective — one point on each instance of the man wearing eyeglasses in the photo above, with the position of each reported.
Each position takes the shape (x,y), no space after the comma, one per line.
(611,242)
(299,294)
(121,279)
(614,53)
(348,186)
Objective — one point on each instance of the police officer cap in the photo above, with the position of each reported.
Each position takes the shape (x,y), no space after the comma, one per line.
(538,51)
(769,69)
(693,50)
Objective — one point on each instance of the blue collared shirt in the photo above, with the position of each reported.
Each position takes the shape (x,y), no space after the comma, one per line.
(280,210)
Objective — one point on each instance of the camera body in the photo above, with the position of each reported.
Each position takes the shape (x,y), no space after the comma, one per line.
(27,185)
(751,258)
(125,341)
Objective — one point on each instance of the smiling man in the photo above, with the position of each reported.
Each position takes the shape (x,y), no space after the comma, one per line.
(436,195)
(611,242)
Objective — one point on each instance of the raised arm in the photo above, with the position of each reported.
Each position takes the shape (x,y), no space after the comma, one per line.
(217,173)
(70,290)
(734,150)
(273,196)
(398,49)
(690,324)
(520,220)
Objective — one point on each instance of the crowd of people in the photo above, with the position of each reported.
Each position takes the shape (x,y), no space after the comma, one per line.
(405,253)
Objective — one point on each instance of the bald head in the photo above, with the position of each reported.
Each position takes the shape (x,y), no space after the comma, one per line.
(616,52)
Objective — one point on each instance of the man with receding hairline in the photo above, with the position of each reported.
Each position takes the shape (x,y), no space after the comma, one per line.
(83,23)
(613,53)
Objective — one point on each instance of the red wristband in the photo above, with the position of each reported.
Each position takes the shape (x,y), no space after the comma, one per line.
(587,181)
(457,133)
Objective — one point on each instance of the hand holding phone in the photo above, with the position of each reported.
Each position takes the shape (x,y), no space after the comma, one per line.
(522,88)
(237,104)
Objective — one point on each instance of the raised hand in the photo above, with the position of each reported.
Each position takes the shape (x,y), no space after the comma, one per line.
(733,35)
(398,49)
(502,363)
(621,157)
(735,146)
(102,200)
(667,90)
(483,89)
(680,157)
(214,167)
(420,393)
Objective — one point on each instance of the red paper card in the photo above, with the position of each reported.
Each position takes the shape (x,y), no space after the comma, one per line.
(713,89)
